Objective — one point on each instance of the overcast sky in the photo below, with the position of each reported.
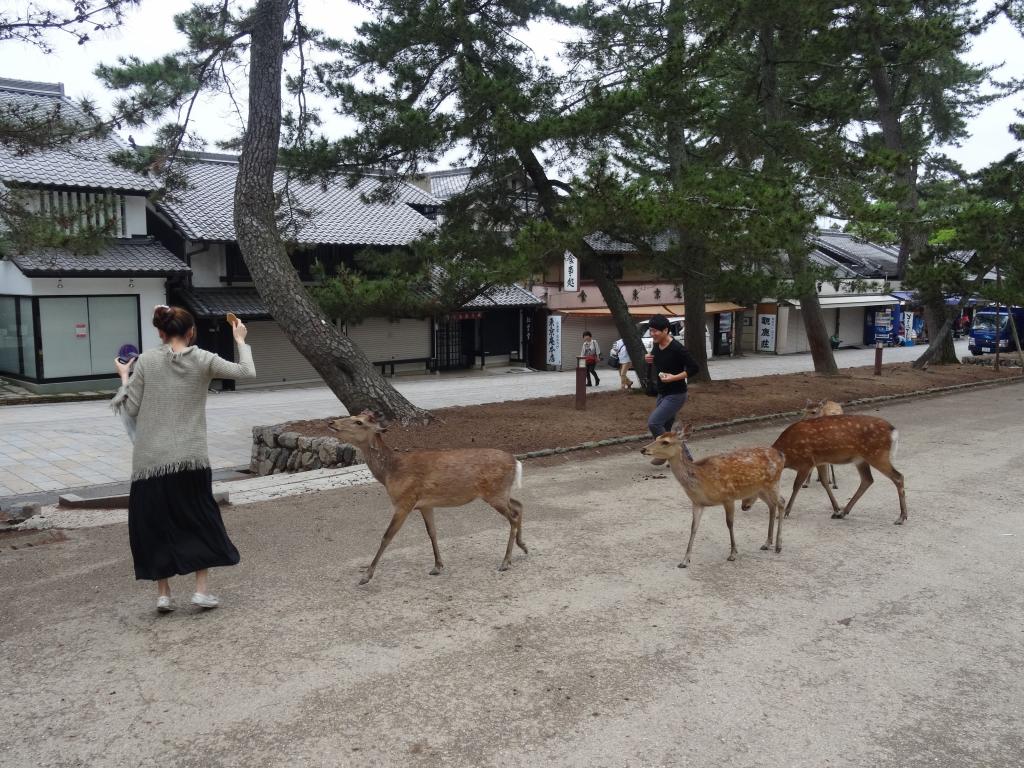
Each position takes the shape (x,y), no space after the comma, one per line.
(149,32)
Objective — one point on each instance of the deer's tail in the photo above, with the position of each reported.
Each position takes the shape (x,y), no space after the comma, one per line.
(895,444)
(518,482)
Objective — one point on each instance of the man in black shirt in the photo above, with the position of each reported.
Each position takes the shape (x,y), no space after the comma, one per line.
(673,365)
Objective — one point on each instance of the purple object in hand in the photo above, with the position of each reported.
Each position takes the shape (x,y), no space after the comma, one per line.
(127,352)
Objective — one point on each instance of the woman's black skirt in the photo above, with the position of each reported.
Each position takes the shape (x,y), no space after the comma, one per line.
(175,526)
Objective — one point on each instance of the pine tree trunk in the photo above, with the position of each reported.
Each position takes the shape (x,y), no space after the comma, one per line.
(817,334)
(624,321)
(343,366)
(694,296)
(940,348)
(810,306)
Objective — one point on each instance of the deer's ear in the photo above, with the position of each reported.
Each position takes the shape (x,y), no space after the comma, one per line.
(684,431)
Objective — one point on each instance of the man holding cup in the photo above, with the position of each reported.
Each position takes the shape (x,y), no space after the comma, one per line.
(673,365)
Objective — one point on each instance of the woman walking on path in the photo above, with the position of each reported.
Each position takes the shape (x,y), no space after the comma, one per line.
(591,352)
(174,525)
(620,353)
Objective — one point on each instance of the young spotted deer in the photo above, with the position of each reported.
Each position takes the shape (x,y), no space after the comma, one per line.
(812,410)
(427,479)
(866,441)
(724,479)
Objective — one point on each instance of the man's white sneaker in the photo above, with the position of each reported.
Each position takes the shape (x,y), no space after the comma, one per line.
(205,601)
(163,604)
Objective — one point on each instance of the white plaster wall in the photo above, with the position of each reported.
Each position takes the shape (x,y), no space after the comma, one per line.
(208,266)
(151,291)
(135,214)
(13,281)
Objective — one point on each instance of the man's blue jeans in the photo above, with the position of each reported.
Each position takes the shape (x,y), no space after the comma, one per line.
(664,413)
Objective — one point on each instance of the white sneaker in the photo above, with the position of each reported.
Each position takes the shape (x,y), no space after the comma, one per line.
(163,604)
(205,601)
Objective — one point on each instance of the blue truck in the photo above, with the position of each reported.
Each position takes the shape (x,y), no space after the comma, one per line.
(991,329)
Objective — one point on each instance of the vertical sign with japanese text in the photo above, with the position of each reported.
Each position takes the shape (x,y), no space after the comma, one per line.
(766,333)
(554,341)
(570,273)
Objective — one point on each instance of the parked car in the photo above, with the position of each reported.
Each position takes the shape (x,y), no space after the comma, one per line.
(676,326)
(991,328)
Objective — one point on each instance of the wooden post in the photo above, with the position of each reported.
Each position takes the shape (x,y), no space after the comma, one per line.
(878,358)
(581,383)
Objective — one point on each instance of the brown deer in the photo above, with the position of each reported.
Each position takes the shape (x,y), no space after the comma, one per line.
(427,479)
(813,410)
(724,479)
(866,441)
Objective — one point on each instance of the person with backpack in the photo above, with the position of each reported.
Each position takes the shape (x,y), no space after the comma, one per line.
(619,358)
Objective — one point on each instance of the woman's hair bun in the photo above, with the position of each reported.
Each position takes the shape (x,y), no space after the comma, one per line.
(173,321)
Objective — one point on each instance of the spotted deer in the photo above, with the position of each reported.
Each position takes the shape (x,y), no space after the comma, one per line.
(424,480)
(812,410)
(866,441)
(724,479)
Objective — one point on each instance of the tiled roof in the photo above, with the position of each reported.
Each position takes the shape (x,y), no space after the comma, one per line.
(602,243)
(837,267)
(140,256)
(82,164)
(448,184)
(207,303)
(861,257)
(336,216)
(511,295)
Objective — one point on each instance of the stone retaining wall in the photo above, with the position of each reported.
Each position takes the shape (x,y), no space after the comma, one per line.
(275,450)
(1006,359)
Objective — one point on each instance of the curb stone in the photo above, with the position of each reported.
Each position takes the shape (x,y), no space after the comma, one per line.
(590,445)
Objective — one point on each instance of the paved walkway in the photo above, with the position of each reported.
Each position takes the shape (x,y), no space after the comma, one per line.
(52,446)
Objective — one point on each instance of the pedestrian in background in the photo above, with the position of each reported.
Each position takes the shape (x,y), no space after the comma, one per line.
(591,353)
(621,354)
(673,365)
(174,524)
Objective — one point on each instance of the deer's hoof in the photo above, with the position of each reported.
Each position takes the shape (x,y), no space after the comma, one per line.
(765,546)
(436,570)
(900,521)
(837,515)
(731,558)
(503,567)
(684,564)
(778,549)
(364,580)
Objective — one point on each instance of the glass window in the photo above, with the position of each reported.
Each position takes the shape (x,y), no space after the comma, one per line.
(64,323)
(81,335)
(9,357)
(113,322)
(28,338)
(986,321)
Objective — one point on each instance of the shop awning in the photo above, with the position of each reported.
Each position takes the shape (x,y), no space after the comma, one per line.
(650,310)
(853,300)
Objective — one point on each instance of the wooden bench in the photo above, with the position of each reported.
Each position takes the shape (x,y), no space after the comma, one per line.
(385,364)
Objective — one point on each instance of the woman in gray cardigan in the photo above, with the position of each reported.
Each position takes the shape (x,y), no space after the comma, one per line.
(174,525)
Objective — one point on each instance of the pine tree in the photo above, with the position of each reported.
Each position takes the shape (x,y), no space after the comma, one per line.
(218,37)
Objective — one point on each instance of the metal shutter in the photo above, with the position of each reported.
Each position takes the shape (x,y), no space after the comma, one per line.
(382,339)
(277,361)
